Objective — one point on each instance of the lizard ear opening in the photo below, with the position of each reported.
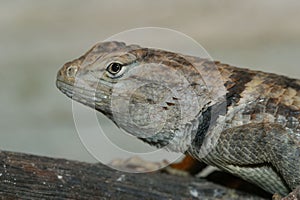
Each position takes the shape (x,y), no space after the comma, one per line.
(115,69)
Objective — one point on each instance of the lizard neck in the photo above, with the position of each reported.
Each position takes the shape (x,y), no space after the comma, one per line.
(191,134)
(178,140)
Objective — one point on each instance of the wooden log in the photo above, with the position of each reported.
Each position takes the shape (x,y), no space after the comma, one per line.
(24,176)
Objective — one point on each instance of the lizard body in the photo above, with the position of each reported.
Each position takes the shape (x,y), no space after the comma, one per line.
(260,112)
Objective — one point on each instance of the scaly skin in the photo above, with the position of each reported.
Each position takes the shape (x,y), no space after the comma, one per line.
(188,104)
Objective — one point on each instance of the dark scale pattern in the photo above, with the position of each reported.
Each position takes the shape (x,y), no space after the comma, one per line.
(282,81)
(204,122)
(237,84)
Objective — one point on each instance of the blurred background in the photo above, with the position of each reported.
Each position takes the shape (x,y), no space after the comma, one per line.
(38,37)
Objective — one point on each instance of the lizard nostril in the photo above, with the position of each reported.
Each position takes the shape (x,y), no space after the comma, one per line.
(71,71)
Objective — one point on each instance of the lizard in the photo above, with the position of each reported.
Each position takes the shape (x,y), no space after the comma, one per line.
(255,115)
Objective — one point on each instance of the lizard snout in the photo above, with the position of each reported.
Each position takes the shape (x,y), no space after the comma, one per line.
(71,71)
(67,73)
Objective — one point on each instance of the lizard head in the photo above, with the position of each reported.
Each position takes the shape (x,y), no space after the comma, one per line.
(89,79)
(153,94)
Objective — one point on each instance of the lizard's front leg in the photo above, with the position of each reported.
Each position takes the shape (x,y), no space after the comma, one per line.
(263,153)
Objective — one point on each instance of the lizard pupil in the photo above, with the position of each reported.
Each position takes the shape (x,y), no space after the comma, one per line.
(114,68)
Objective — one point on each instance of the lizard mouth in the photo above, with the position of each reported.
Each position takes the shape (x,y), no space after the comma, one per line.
(91,98)
(79,94)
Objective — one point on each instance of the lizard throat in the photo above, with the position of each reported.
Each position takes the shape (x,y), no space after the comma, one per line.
(180,140)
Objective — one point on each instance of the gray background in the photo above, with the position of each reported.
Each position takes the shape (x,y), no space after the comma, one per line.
(37,37)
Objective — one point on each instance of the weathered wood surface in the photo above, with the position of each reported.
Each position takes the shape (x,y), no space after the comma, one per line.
(24,176)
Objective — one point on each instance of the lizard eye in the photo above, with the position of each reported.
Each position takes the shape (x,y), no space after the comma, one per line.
(115,69)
